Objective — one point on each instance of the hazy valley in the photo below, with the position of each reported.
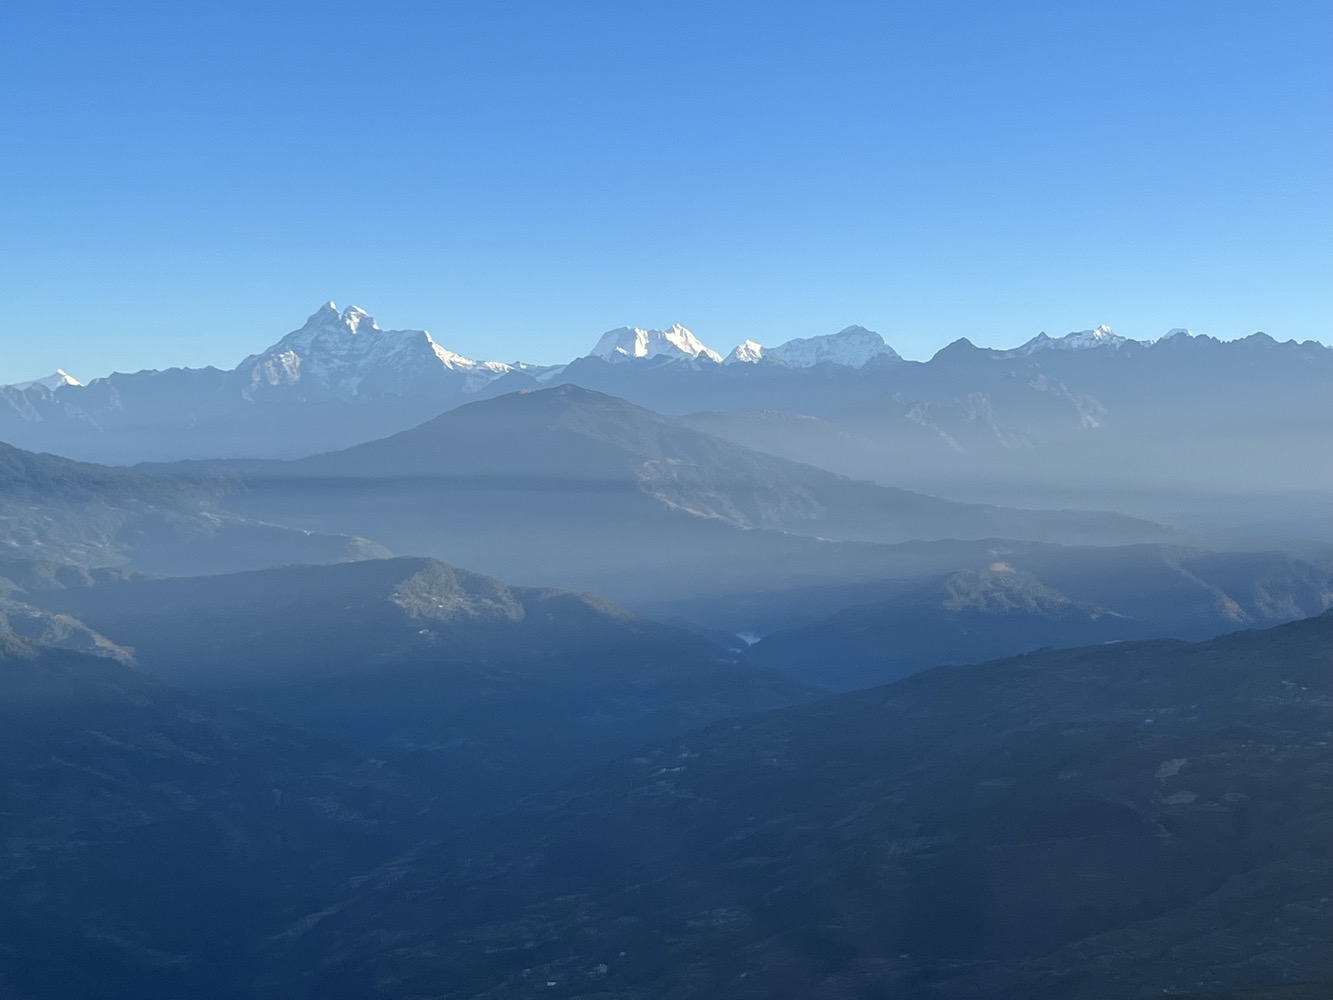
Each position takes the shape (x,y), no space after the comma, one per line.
(366,669)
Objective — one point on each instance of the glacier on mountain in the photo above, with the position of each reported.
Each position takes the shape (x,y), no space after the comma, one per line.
(339,353)
(630,342)
(747,352)
(853,347)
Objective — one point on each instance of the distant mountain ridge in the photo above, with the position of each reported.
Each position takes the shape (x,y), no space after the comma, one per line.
(531,486)
(79,514)
(1101,416)
(52,382)
(1042,598)
(340,380)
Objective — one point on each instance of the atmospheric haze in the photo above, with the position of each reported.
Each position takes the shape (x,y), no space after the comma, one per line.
(773,657)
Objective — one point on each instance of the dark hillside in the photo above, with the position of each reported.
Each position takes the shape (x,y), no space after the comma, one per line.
(1123,821)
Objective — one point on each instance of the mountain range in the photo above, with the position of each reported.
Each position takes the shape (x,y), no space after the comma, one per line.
(1072,411)
(1043,596)
(337,380)
(571,488)
(398,673)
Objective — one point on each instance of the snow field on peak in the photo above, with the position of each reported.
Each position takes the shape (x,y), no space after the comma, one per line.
(747,352)
(54,381)
(338,351)
(854,347)
(629,342)
(1080,340)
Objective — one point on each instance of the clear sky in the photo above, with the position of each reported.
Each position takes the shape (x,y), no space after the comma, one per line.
(182,183)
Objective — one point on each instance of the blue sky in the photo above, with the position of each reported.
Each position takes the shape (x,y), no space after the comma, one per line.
(185,182)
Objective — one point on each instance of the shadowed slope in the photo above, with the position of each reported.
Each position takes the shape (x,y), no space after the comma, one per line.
(1114,821)
(151,836)
(484,691)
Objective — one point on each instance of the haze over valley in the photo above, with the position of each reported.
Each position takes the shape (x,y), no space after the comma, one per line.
(322,594)
(836,503)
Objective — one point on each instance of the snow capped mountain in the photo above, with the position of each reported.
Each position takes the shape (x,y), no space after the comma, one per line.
(52,382)
(1082,340)
(341,380)
(344,354)
(628,343)
(853,347)
(747,352)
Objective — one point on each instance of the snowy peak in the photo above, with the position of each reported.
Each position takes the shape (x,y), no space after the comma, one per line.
(57,380)
(327,319)
(628,343)
(1082,340)
(854,347)
(354,317)
(748,352)
(345,354)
